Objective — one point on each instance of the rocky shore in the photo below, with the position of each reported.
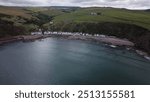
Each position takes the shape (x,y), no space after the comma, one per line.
(105,39)
(10,39)
(112,41)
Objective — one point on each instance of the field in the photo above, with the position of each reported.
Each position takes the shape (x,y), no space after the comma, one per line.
(140,18)
(15,11)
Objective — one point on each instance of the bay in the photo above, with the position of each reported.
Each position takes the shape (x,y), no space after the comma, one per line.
(54,61)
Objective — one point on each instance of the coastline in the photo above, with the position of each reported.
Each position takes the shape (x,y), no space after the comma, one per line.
(10,39)
(110,40)
(114,41)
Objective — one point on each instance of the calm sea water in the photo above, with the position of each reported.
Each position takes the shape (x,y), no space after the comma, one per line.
(54,61)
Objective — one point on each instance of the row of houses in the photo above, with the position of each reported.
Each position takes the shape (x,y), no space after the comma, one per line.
(67,33)
(95,13)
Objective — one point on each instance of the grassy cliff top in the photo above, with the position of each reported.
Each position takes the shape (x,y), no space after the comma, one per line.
(75,14)
(95,14)
(91,14)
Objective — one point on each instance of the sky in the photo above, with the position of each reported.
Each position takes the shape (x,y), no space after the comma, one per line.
(130,4)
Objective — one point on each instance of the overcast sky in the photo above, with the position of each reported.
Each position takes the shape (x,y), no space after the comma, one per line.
(131,4)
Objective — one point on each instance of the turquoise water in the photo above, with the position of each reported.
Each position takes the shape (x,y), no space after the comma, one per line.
(63,62)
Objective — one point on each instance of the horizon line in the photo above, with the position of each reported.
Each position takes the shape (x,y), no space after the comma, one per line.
(74,6)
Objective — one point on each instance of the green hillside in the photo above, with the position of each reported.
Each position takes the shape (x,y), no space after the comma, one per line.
(140,18)
(27,18)
(15,11)
(77,15)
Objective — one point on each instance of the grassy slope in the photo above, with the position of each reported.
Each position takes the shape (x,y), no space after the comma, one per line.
(140,18)
(27,17)
(45,10)
(27,12)
(15,11)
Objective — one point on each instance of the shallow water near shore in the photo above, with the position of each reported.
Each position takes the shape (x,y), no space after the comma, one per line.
(54,61)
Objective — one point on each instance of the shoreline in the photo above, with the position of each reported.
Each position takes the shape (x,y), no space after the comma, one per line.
(112,41)
(24,38)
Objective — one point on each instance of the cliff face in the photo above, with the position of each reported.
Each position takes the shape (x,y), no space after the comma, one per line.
(143,42)
(7,28)
(140,36)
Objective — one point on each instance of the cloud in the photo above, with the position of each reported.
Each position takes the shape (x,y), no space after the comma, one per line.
(133,4)
(20,2)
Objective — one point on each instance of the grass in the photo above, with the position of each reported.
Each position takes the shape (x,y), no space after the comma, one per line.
(14,11)
(140,18)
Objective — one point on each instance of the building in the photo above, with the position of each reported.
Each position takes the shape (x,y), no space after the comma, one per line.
(95,13)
